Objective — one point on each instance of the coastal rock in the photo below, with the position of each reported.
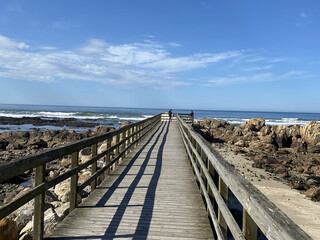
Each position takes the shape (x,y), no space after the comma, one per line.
(254,124)
(126,123)
(311,132)
(102,148)
(51,219)
(8,229)
(102,129)
(62,189)
(65,162)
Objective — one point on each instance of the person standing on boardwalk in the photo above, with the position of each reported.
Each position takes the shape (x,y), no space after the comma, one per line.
(170,114)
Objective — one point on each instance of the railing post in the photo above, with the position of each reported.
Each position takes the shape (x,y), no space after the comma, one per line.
(74,181)
(107,158)
(94,167)
(117,150)
(123,145)
(249,227)
(38,223)
(223,190)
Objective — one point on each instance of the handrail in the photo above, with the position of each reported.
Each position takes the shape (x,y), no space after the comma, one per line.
(126,138)
(258,211)
(187,117)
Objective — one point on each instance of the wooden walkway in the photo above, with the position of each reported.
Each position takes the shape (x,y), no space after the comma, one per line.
(152,194)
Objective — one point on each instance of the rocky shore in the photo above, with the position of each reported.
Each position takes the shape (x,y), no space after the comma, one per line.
(14,145)
(292,153)
(39,121)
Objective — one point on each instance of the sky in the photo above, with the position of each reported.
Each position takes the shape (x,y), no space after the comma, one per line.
(258,55)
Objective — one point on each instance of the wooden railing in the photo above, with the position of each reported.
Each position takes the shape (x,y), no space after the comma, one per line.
(125,139)
(187,117)
(218,181)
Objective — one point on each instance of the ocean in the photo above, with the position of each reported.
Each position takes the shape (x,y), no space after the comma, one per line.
(113,116)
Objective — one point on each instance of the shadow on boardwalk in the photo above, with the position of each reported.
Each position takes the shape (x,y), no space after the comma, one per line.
(144,222)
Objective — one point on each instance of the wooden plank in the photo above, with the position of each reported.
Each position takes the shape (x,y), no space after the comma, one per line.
(249,227)
(39,205)
(74,181)
(152,194)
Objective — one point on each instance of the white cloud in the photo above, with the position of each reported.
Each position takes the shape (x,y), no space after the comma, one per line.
(145,64)
(261,77)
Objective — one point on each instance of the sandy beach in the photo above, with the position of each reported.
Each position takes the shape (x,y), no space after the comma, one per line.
(303,211)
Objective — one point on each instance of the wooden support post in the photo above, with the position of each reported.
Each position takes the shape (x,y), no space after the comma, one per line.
(118,148)
(223,189)
(249,227)
(74,181)
(38,223)
(94,167)
(123,145)
(107,158)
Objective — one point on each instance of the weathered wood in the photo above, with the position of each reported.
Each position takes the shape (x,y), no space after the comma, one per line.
(249,227)
(39,205)
(223,208)
(223,190)
(151,195)
(94,166)
(107,158)
(269,218)
(74,181)
(209,204)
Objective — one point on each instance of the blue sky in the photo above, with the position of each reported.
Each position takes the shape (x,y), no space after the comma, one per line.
(200,54)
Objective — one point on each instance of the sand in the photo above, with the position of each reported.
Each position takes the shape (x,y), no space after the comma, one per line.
(304,212)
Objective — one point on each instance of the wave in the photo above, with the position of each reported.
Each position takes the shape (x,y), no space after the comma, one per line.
(282,121)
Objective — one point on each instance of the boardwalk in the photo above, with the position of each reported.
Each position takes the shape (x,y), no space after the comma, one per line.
(152,194)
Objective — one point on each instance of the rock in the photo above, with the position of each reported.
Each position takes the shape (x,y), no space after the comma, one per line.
(85,155)
(102,129)
(254,124)
(22,220)
(51,219)
(241,143)
(39,143)
(27,232)
(311,132)
(102,148)
(265,130)
(313,193)
(126,123)
(62,189)
(62,211)
(65,162)
(84,177)
(8,229)
(298,145)
(265,147)
(313,148)
(53,174)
